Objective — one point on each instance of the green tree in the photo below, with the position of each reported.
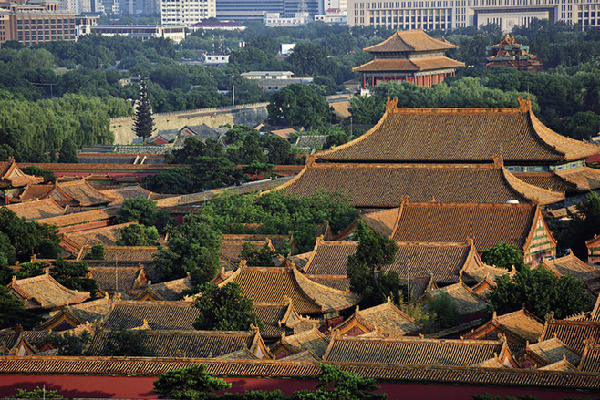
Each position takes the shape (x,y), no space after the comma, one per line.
(445,312)
(300,105)
(225,309)
(336,139)
(13,311)
(37,393)
(171,181)
(74,275)
(364,267)
(47,174)
(335,384)
(27,238)
(124,342)
(144,211)
(194,247)
(190,383)
(584,224)
(143,125)
(257,257)
(68,152)
(97,252)
(540,292)
(504,256)
(215,172)
(138,235)
(70,344)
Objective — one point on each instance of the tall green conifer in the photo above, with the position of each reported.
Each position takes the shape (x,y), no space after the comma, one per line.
(142,120)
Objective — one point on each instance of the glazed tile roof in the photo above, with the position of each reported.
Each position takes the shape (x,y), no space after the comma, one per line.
(384,185)
(546,180)
(90,311)
(83,193)
(460,135)
(562,365)
(173,290)
(193,344)
(107,236)
(127,192)
(485,224)
(126,254)
(442,261)
(519,324)
(466,301)
(382,221)
(12,176)
(386,319)
(552,351)
(231,250)
(302,356)
(243,354)
(583,178)
(277,285)
(43,291)
(338,282)
(571,265)
(160,315)
(572,333)
(117,278)
(409,41)
(311,340)
(142,366)
(80,217)
(590,361)
(35,192)
(36,210)
(409,350)
(9,340)
(311,141)
(408,64)
(271,316)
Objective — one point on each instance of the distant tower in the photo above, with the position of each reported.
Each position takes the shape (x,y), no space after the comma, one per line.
(302,7)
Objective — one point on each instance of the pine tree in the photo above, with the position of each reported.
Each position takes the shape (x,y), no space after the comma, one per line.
(142,121)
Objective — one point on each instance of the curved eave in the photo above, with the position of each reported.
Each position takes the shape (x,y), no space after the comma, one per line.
(410,65)
(531,192)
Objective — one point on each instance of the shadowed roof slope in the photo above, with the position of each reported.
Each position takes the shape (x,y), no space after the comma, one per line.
(385,319)
(405,64)
(384,185)
(460,135)
(486,224)
(519,324)
(43,291)
(407,350)
(409,41)
(37,210)
(572,333)
(571,265)
(160,315)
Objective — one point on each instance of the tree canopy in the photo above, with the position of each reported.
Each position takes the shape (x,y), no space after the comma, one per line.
(584,224)
(225,309)
(190,383)
(301,106)
(504,256)
(144,211)
(143,125)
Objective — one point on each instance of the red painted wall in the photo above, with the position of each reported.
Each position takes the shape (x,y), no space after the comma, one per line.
(141,387)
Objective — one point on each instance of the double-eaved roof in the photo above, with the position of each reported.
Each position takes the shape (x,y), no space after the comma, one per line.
(457,135)
(375,185)
(408,42)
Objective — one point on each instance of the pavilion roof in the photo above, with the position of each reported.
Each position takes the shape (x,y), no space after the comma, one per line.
(571,265)
(385,319)
(547,180)
(373,185)
(408,64)
(279,285)
(409,41)
(460,135)
(310,340)
(485,224)
(80,218)
(12,176)
(551,351)
(43,291)
(520,325)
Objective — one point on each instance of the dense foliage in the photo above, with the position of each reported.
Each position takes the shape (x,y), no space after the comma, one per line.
(138,235)
(225,309)
(299,105)
(374,251)
(13,311)
(583,225)
(540,292)
(144,211)
(190,383)
(504,256)
(143,125)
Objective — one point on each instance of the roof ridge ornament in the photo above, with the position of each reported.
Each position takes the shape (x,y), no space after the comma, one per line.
(525,104)
(391,105)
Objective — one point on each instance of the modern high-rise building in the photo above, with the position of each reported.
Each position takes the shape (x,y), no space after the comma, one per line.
(186,12)
(447,14)
(247,10)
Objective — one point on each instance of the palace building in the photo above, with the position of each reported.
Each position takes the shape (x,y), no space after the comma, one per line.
(509,53)
(411,56)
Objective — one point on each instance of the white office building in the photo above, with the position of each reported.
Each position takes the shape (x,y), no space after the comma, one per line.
(449,14)
(186,12)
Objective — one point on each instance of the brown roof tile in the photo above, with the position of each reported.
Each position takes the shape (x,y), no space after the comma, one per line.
(384,185)
(271,316)
(311,340)
(590,360)
(142,366)
(34,192)
(382,221)
(128,254)
(92,311)
(520,325)
(43,291)
(571,265)
(408,65)
(486,224)
(36,210)
(466,301)
(117,278)
(12,176)
(173,290)
(410,350)
(106,235)
(192,344)
(386,319)
(572,333)
(409,41)
(553,350)
(546,180)
(460,135)
(583,178)
(160,315)
(83,193)
(80,217)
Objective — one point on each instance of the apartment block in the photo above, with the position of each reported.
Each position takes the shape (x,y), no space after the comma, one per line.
(186,12)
